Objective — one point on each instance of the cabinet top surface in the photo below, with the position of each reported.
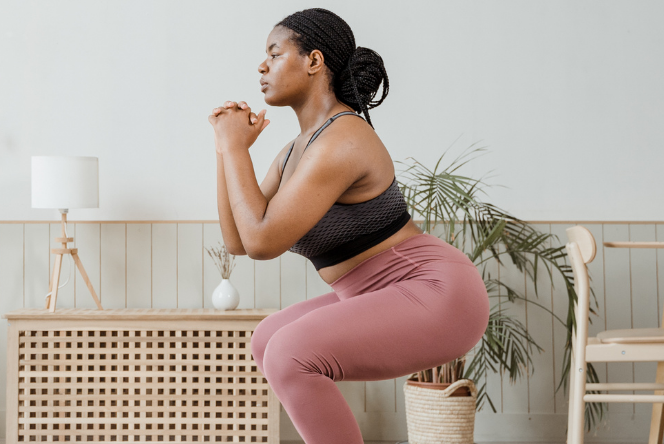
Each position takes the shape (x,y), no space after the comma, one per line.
(141,314)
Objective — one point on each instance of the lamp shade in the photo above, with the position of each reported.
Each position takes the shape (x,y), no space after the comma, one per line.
(63,182)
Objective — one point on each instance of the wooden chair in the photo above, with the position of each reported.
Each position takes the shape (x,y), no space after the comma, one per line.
(630,345)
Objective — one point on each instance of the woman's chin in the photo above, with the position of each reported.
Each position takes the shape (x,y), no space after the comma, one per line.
(271,100)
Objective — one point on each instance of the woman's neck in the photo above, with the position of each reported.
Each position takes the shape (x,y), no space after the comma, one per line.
(316,109)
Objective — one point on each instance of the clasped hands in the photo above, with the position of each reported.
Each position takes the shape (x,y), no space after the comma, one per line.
(235,126)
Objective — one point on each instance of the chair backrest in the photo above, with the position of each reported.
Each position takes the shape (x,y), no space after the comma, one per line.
(581,250)
(585,240)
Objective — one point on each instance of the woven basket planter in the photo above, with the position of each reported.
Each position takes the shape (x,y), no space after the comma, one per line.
(440,413)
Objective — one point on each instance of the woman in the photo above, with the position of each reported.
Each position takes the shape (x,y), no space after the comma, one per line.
(403,300)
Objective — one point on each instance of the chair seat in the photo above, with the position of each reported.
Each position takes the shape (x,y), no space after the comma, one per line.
(632,336)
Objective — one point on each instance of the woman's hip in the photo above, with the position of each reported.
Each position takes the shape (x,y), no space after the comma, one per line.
(421,257)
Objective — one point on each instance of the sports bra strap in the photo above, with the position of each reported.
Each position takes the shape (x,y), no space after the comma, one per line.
(325,125)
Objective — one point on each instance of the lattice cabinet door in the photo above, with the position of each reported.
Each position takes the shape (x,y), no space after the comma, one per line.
(137,375)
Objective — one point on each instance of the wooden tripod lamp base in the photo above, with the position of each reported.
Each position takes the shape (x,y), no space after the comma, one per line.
(55,280)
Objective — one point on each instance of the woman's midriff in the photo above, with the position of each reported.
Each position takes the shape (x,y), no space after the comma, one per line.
(332,273)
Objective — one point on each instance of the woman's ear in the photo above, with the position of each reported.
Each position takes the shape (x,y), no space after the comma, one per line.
(316,61)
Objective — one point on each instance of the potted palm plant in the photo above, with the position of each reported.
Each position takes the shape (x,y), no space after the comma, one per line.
(450,199)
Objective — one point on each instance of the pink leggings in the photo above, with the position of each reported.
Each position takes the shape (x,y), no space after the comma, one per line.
(412,307)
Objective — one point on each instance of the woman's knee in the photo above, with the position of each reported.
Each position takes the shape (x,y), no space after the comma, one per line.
(284,356)
(259,339)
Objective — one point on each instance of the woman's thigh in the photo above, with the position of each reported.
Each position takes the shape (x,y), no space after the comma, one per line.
(268,326)
(405,327)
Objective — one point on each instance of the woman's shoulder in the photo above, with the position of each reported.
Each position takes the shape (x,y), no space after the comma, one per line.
(348,132)
(351,141)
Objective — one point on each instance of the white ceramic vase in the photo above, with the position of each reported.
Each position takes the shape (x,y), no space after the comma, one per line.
(225,296)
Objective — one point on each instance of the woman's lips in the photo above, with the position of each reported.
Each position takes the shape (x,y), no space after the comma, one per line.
(263,87)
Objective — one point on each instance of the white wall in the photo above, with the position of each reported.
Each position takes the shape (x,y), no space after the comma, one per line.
(542,84)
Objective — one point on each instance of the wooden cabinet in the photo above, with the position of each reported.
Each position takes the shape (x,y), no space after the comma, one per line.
(137,375)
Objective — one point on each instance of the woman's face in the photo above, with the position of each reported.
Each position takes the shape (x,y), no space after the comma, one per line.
(284,77)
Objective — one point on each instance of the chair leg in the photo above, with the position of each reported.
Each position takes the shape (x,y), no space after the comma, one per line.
(570,413)
(579,406)
(657,418)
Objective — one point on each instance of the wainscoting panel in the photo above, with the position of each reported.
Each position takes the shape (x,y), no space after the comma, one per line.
(645,307)
(37,264)
(540,326)
(139,266)
(113,262)
(190,265)
(88,242)
(597,283)
(560,303)
(164,264)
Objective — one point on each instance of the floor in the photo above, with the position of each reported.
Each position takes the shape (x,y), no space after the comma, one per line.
(2,441)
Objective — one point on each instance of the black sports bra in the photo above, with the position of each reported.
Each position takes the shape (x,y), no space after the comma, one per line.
(347,230)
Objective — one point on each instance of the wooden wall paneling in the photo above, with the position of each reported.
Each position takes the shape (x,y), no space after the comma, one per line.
(211,274)
(88,242)
(37,271)
(618,306)
(11,290)
(399,397)
(515,394)
(596,274)
(659,236)
(244,280)
(293,279)
(540,327)
(139,266)
(380,395)
(494,385)
(242,275)
(316,286)
(164,266)
(190,266)
(560,303)
(355,394)
(67,294)
(645,307)
(267,283)
(113,278)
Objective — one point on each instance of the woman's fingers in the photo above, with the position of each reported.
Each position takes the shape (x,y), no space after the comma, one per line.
(242,105)
(228,104)
(261,120)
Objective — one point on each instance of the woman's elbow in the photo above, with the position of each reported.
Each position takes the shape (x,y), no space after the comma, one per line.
(237,251)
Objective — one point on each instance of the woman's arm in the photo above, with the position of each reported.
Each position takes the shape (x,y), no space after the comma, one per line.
(229,229)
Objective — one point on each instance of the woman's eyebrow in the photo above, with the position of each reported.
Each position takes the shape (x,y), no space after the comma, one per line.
(272,46)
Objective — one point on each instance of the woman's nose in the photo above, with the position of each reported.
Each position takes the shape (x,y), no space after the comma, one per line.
(262,68)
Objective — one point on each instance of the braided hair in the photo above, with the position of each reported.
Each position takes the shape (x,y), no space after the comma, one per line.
(357,72)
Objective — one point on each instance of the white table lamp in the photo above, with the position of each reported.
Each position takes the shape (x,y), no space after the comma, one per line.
(64,182)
